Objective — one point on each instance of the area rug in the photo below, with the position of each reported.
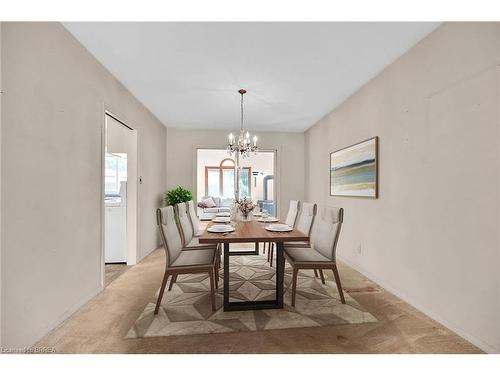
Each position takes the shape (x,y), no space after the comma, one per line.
(186,309)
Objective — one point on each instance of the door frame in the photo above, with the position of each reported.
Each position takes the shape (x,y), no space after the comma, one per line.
(276,167)
(133,239)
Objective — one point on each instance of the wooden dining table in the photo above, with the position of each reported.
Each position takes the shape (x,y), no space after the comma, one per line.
(253,232)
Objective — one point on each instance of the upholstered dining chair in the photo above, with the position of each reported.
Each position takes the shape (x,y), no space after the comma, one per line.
(189,240)
(293,211)
(322,253)
(195,222)
(303,223)
(291,218)
(189,235)
(180,260)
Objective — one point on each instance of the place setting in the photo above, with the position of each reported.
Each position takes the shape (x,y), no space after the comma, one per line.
(269,219)
(220,228)
(222,219)
(278,228)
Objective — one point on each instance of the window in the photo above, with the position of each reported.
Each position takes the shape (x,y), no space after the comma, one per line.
(219,181)
(115,172)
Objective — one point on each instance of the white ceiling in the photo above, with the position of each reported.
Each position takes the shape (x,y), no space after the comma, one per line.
(188,74)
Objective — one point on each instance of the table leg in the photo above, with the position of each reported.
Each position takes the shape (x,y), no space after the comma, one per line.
(280,273)
(226,276)
(277,303)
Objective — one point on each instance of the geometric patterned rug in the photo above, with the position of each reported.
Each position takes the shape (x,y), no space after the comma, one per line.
(186,309)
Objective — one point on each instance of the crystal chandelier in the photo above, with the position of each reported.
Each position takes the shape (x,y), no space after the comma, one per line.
(242,146)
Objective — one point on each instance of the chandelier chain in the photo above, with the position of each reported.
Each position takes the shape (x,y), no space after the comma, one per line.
(241,124)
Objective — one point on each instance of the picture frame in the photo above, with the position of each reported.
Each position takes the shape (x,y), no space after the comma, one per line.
(354,170)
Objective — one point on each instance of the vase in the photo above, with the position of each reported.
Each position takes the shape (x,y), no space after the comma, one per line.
(246,216)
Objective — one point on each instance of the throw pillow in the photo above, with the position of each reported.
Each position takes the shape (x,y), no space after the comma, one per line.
(209,203)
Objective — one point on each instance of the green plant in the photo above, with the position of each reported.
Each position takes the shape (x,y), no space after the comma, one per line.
(177,195)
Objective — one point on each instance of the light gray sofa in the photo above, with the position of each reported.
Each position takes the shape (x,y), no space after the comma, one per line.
(222,205)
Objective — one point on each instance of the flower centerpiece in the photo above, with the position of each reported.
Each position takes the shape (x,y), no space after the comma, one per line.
(245,206)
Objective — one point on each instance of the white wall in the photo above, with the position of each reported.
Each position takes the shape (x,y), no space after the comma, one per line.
(181,155)
(433,235)
(53,102)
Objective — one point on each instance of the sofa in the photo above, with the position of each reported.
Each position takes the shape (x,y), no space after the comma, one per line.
(221,205)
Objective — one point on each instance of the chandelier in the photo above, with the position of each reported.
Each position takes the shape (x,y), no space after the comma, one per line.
(242,146)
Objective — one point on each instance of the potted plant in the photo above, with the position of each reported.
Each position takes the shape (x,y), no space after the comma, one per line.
(177,195)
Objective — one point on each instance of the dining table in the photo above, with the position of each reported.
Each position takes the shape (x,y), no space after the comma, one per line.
(252,231)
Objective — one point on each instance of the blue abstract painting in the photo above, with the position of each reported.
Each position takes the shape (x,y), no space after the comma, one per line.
(353,170)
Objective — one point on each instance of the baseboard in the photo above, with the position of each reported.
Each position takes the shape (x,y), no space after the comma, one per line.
(438,318)
(147,253)
(60,320)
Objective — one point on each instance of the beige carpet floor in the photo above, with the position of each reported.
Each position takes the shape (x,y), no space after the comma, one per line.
(112,271)
(101,325)
(186,309)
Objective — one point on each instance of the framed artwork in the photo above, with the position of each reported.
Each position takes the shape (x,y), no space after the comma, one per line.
(354,170)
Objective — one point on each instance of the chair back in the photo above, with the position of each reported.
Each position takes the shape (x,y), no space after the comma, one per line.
(169,232)
(326,231)
(195,222)
(306,217)
(184,223)
(293,210)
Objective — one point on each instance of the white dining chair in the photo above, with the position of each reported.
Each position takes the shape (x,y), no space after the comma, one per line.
(189,240)
(303,223)
(322,253)
(293,211)
(180,260)
(195,221)
(291,218)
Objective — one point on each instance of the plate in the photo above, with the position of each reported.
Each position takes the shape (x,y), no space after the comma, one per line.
(221,219)
(279,228)
(268,220)
(223,214)
(220,228)
(256,214)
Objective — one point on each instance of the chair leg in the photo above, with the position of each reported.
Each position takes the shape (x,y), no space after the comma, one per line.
(294,284)
(172,281)
(264,248)
(219,251)
(271,255)
(216,276)
(268,252)
(162,289)
(322,276)
(212,290)
(337,281)
(315,272)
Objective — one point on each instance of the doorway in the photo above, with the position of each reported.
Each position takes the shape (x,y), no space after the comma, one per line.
(120,198)
(215,178)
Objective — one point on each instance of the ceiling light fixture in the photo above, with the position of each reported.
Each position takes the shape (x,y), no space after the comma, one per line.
(242,146)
